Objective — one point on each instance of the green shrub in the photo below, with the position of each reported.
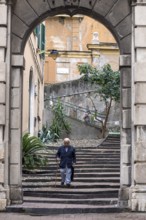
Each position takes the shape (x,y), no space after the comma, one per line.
(31,146)
(46,135)
(59,123)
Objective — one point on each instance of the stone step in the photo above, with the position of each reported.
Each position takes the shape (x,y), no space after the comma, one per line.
(70,190)
(82,169)
(34,192)
(96,149)
(94,201)
(85,180)
(87,148)
(110,146)
(79,185)
(99,160)
(95,187)
(88,153)
(84,157)
(87,160)
(114,138)
(80,166)
(54,209)
(94,154)
(87,175)
(54,149)
(53,167)
(90,161)
(110,142)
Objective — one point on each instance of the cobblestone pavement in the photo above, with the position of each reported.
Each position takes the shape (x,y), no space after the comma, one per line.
(79,143)
(115,216)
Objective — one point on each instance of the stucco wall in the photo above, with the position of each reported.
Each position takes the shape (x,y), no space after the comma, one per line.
(71,36)
(34,66)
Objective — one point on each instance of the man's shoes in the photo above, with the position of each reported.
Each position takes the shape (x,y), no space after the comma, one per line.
(62,183)
(68,185)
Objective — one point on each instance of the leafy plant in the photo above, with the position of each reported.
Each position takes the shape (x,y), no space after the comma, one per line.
(59,123)
(108,82)
(87,70)
(31,146)
(46,135)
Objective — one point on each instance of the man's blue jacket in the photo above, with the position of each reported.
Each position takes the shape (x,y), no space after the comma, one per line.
(67,156)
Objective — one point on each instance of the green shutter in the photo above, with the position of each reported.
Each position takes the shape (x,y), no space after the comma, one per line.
(40,34)
(42,39)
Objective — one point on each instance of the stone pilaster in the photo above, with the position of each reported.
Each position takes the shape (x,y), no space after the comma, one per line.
(3,46)
(138,186)
(125,171)
(16,130)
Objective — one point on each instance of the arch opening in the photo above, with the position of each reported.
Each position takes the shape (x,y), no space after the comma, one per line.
(122,39)
(82,11)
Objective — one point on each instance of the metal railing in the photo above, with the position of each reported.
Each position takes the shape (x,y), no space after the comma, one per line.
(94,119)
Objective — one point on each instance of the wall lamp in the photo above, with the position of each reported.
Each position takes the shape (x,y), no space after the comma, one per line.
(54,54)
(51,53)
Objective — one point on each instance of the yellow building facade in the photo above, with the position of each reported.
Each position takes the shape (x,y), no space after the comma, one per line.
(78,39)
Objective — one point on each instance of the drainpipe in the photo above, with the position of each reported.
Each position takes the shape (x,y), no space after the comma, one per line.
(8,106)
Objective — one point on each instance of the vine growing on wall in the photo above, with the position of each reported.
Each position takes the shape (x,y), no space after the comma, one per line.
(59,123)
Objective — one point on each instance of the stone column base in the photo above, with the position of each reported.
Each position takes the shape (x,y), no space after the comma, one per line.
(16,195)
(3,200)
(3,204)
(124,197)
(138,198)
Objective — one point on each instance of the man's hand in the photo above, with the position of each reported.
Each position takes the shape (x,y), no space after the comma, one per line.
(57,159)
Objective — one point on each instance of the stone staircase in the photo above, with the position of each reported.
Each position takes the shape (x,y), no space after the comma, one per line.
(94,189)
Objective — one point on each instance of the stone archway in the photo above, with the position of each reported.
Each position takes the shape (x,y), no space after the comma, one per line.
(116,16)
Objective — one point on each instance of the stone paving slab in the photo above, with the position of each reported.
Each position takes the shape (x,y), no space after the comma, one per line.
(76,184)
(28,198)
(70,190)
(44,206)
(79,143)
(108,216)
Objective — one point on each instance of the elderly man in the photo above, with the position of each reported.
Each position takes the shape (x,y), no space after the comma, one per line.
(66,155)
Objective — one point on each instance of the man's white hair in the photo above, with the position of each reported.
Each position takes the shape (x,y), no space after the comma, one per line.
(66,141)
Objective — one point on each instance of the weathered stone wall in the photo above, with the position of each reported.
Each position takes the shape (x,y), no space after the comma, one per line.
(79,130)
(75,96)
(125,169)
(138,189)
(3,105)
